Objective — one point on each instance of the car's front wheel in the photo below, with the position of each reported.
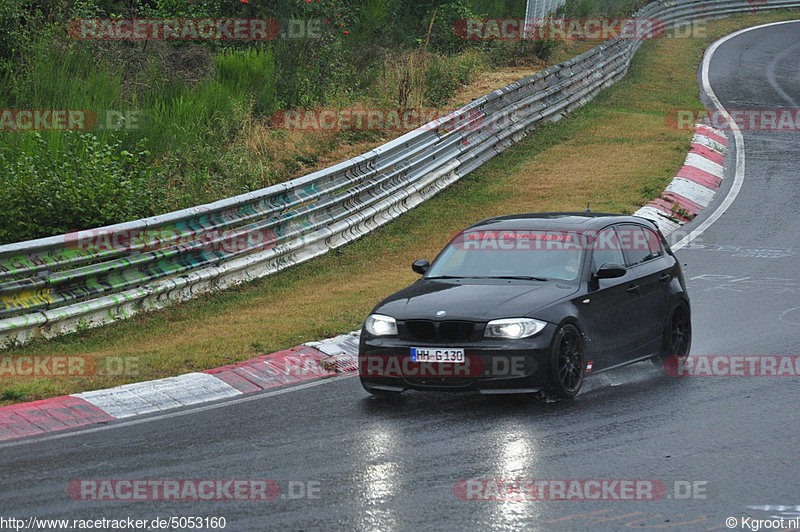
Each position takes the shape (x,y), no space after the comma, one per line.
(567,363)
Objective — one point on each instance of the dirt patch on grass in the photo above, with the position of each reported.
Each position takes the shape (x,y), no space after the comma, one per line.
(486,82)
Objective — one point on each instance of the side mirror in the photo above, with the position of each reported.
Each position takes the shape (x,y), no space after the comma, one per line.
(421,266)
(610,270)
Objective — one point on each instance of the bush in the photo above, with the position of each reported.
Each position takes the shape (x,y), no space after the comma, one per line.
(445,74)
(443,37)
(249,71)
(578,8)
(545,48)
(315,70)
(84,184)
(14,37)
(196,8)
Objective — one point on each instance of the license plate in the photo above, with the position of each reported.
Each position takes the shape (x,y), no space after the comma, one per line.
(437,354)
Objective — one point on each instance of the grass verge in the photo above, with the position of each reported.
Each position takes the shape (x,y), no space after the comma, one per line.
(617,153)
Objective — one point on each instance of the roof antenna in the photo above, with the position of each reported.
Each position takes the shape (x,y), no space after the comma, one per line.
(587,209)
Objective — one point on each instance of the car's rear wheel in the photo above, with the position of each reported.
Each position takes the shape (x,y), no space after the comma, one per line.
(567,363)
(678,335)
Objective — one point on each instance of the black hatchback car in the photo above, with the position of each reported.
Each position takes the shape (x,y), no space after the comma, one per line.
(530,303)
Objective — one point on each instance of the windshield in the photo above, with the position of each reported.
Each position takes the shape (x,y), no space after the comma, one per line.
(551,255)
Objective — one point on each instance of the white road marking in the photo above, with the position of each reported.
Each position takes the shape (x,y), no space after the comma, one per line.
(772,78)
(711,144)
(694,192)
(706,165)
(161,394)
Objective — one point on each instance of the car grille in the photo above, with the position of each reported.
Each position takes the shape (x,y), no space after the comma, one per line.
(453,331)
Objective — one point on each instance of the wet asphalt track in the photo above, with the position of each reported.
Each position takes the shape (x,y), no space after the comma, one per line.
(392,465)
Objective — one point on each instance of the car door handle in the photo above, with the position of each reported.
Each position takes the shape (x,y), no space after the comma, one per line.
(665,277)
(633,289)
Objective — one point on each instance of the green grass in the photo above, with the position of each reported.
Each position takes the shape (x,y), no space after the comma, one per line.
(617,153)
(181,139)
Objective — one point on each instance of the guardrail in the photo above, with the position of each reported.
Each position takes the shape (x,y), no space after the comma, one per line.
(63,283)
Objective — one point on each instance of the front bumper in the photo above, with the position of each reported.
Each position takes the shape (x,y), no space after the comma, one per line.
(491,366)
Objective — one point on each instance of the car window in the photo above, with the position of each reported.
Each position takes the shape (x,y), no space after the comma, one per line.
(635,244)
(654,242)
(554,255)
(606,249)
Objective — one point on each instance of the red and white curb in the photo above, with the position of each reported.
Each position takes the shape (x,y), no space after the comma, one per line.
(315,360)
(694,187)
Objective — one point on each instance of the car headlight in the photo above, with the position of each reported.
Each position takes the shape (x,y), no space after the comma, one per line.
(513,328)
(380,325)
